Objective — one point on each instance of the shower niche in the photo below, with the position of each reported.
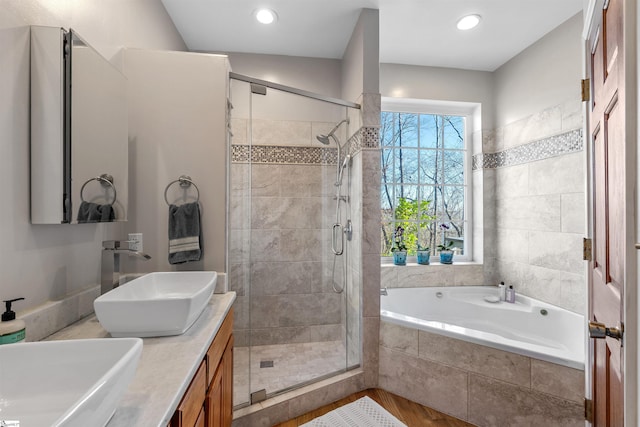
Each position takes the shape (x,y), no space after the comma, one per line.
(291,260)
(79,132)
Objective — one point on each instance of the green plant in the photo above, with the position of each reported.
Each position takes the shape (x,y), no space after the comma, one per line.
(423,248)
(446,246)
(398,239)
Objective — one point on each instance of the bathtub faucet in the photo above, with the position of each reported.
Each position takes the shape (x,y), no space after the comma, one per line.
(384,292)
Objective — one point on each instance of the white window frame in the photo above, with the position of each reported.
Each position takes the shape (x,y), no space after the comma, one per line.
(472,114)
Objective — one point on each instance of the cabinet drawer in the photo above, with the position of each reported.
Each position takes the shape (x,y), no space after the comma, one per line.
(189,408)
(214,354)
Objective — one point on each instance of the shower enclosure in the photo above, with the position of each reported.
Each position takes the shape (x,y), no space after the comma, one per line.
(292,260)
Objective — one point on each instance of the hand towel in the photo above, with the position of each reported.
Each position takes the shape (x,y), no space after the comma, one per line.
(93,212)
(185,233)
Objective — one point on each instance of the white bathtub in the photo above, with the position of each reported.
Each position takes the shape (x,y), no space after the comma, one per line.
(462,312)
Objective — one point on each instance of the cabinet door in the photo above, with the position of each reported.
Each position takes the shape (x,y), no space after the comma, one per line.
(201,418)
(227,384)
(214,403)
(188,410)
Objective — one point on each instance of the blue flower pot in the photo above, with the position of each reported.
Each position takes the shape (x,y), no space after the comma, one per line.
(423,257)
(446,257)
(400,257)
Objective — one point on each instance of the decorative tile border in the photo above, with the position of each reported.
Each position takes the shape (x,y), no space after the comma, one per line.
(277,154)
(283,155)
(564,143)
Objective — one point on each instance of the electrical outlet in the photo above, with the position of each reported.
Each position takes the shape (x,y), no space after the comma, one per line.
(135,242)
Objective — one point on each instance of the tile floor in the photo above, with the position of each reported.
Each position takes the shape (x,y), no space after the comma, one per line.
(292,364)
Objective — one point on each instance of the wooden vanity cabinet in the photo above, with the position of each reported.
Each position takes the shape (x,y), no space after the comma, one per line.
(208,400)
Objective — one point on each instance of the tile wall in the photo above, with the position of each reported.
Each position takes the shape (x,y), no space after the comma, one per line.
(478,384)
(539,222)
(282,209)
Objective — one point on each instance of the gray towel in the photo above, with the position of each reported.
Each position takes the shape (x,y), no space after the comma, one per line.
(93,212)
(185,233)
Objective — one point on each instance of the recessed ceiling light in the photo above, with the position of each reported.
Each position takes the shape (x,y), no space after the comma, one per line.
(266,16)
(468,22)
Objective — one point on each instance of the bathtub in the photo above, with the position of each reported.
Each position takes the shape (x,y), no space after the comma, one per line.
(528,327)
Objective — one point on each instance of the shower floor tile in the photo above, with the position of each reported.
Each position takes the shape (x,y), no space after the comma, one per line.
(292,364)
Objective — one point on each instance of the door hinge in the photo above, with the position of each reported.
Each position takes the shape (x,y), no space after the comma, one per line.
(585,89)
(588,410)
(587,249)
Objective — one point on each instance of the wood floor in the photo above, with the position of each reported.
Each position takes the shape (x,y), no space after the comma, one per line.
(410,413)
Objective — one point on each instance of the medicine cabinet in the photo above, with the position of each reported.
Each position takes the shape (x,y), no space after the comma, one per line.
(79,132)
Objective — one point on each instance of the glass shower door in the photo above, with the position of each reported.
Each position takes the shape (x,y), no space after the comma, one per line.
(292,289)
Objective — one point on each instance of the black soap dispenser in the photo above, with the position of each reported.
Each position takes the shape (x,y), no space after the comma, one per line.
(11,330)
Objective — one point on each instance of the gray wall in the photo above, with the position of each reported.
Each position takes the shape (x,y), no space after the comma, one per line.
(49,262)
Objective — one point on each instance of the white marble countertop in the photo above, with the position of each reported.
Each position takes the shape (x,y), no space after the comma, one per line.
(166,366)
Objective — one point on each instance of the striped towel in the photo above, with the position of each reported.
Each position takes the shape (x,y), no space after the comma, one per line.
(185,233)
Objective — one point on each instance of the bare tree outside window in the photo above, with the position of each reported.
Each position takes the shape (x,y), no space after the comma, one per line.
(423,183)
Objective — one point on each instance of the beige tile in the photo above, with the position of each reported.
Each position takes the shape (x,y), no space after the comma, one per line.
(540,213)
(265,180)
(573,213)
(427,275)
(537,126)
(512,245)
(565,254)
(561,174)
(437,386)
(480,359)
(281,132)
(495,403)
(302,245)
(468,275)
(371,286)
(388,276)
(560,381)
(572,115)
(512,181)
(266,417)
(399,338)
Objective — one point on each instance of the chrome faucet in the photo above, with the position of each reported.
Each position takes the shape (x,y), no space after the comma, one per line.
(110,268)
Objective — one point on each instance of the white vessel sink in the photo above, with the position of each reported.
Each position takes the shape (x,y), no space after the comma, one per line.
(156,304)
(75,383)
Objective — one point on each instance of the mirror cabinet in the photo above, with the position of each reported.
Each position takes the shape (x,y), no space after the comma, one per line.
(79,132)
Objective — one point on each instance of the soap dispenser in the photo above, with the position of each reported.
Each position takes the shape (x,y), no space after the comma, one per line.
(11,330)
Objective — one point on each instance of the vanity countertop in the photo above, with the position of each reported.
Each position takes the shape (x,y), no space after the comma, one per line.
(166,366)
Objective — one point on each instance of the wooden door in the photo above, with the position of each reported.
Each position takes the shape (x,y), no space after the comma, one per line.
(607,144)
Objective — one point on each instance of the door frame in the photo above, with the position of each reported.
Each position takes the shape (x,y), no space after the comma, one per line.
(631,36)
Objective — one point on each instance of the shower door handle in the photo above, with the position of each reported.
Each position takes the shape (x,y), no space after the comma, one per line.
(334,239)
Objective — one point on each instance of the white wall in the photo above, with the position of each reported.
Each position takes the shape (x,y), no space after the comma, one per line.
(546,73)
(177,111)
(48,262)
(442,84)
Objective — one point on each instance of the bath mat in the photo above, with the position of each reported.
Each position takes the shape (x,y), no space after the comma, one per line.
(364,412)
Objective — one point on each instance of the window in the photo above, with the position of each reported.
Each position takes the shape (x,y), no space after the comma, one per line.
(425,180)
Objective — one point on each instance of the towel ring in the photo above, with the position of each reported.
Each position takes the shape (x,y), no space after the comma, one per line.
(185,182)
(105,180)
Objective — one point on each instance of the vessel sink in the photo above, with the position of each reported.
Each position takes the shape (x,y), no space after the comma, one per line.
(156,304)
(74,383)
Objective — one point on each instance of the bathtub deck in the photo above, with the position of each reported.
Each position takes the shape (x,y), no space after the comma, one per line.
(410,413)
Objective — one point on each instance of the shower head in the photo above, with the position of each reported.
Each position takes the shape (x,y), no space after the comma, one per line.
(325,138)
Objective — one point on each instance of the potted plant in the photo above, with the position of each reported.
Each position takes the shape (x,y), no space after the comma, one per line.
(446,253)
(423,254)
(399,247)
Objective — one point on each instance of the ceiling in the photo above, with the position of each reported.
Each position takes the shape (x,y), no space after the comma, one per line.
(417,32)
